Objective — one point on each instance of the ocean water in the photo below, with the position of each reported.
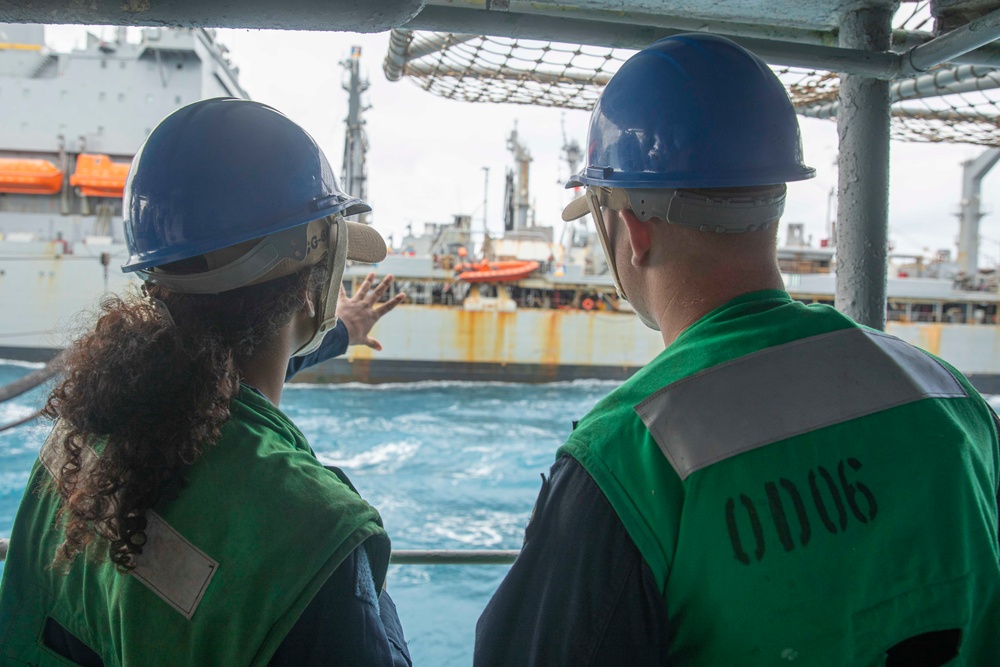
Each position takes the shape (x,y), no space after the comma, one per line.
(449,465)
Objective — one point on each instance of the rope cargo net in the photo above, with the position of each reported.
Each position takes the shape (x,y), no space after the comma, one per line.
(951,103)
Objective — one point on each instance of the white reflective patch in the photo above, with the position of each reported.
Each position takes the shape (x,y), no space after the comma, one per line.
(170,566)
(787,390)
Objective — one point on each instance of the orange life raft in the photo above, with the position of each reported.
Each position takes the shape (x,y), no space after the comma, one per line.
(29,177)
(98,176)
(496,272)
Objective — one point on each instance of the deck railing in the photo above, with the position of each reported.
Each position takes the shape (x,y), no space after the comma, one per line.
(420,556)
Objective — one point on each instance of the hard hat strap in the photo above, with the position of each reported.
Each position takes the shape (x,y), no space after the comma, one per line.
(602,233)
(326,307)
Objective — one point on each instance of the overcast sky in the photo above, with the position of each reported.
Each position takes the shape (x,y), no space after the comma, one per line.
(427,154)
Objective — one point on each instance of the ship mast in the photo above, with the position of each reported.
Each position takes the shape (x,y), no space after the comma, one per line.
(571,149)
(517,195)
(355,170)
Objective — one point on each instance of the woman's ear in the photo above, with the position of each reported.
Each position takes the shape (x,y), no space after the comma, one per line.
(309,303)
(639,236)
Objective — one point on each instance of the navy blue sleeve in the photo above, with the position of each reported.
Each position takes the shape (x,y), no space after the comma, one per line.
(580,592)
(333,345)
(347,623)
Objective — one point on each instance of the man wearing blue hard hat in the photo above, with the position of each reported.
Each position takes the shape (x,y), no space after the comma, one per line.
(176,516)
(779,484)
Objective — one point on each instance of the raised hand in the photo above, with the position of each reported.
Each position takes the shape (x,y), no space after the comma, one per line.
(361,311)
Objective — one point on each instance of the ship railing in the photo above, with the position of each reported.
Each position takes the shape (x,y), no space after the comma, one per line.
(418,556)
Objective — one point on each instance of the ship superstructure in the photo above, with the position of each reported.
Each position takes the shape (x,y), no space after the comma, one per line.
(71,123)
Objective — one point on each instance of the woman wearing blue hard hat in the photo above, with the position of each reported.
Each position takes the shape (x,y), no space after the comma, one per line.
(176,516)
(737,501)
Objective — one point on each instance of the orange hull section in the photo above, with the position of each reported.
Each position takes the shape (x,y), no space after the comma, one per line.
(29,177)
(496,272)
(98,176)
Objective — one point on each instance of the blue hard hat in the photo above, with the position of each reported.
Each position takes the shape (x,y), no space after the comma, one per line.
(693,111)
(219,172)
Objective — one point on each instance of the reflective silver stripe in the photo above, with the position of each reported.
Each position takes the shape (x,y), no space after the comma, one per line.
(170,566)
(787,390)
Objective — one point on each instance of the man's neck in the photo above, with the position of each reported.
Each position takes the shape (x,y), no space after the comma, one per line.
(688,299)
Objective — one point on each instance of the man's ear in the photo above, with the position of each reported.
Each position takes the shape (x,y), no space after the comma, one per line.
(639,235)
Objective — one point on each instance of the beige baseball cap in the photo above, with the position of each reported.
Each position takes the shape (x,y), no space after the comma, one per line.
(364,244)
(576,209)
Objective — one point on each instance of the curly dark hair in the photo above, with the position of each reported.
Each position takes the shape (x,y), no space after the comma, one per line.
(151,397)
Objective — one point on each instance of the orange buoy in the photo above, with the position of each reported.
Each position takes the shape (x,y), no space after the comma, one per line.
(29,177)
(587,304)
(98,176)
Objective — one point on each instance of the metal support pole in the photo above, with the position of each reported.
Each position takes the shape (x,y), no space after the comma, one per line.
(952,81)
(958,42)
(973,172)
(863,211)
(394,65)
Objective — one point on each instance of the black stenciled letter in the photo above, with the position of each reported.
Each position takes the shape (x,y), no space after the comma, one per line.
(821,505)
(851,491)
(781,519)
(734,533)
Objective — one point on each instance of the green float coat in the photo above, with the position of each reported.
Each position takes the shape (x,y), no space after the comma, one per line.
(258,504)
(826,547)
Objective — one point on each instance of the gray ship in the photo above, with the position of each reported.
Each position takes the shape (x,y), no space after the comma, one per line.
(530,308)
